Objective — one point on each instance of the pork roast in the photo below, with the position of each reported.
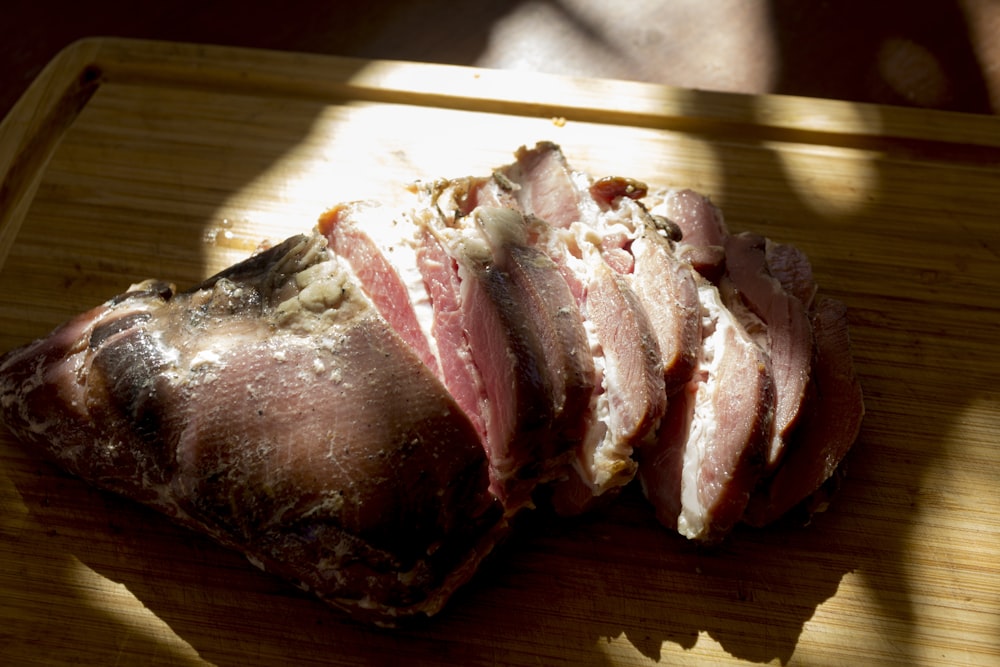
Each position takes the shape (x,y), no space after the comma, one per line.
(363,409)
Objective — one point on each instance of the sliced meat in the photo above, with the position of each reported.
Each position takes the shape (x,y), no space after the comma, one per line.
(630,286)
(830,423)
(362,410)
(630,240)
(551,307)
(792,269)
(472,278)
(787,334)
(668,291)
(714,442)
(629,396)
(524,333)
(661,466)
(377,243)
(459,371)
(273,409)
(632,363)
(543,184)
(703,229)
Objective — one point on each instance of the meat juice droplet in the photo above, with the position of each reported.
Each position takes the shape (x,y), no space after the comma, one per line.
(222,234)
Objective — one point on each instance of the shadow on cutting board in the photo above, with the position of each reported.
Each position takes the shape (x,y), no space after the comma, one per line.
(558,593)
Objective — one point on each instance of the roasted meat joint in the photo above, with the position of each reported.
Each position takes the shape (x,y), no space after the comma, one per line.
(364,408)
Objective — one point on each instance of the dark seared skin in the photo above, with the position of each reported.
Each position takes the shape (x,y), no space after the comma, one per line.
(256,408)
(609,188)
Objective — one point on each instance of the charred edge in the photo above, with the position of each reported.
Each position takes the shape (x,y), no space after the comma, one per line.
(270,263)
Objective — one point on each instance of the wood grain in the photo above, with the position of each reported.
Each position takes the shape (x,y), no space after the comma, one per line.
(130,159)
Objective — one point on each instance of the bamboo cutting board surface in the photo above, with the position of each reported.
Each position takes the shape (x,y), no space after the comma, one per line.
(128,160)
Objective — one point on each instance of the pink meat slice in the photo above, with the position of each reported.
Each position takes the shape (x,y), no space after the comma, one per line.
(668,291)
(711,451)
(458,368)
(550,305)
(661,466)
(274,410)
(787,335)
(603,214)
(591,244)
(629,243)
(636,280)
(702,226)
(792,269)
(633,379)
(544,184)
(348,228)
(830,423)
(524,333)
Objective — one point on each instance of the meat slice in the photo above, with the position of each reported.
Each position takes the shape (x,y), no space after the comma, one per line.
(459,371)
(273,409)
(703,229)
(829,426)
(631,287)
(792,269)
(524,333)
(768,286)
(712,447)
(544,184)
(605,213)
(787,333)
(549,304)
(627,397)
(588,235)
(377,243)
(668,291)
(633,380)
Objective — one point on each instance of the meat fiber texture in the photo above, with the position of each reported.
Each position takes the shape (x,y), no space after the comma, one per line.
(364,408)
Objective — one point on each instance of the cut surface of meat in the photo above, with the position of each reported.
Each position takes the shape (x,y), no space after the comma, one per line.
(830,425)
(377,244)
(703,229)
(715,443)
(592,228)
(668,291)
(787,335)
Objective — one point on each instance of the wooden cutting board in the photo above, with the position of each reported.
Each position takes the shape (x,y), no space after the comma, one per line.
(127,160)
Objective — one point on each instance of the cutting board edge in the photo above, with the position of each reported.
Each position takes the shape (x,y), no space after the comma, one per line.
(32,130)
